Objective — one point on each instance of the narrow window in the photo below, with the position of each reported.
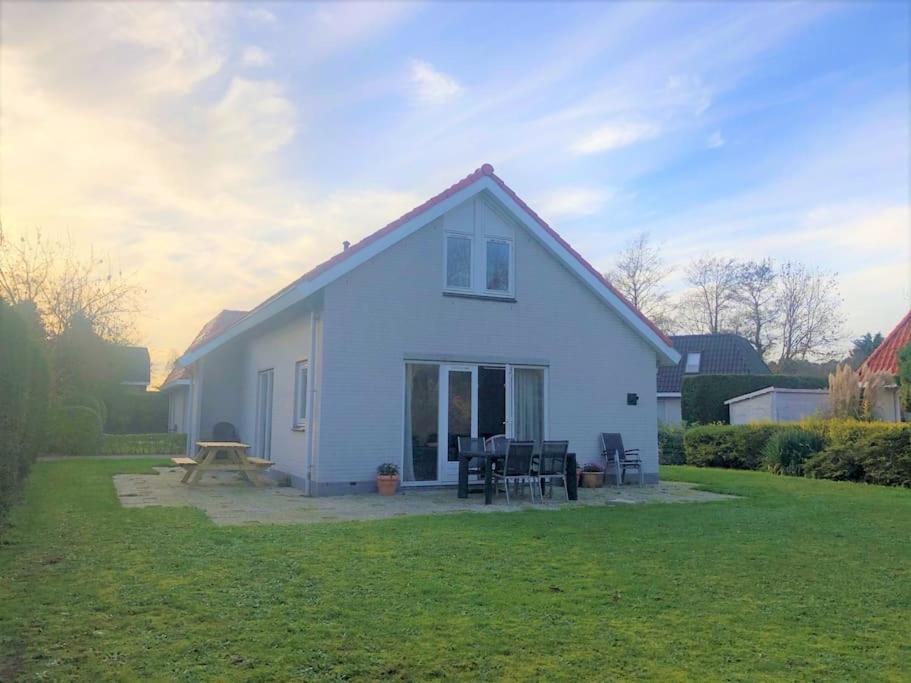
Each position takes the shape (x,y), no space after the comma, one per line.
(300,394)
(692,362)
(458,261)
(498,259)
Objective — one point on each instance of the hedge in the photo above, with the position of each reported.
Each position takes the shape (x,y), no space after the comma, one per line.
(24,390)
(137,412)
(670,444)
(703,396)
(73,430)
(853,450)
(144,444)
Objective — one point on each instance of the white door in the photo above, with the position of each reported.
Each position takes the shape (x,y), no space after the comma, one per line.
(263,442)
(458,415)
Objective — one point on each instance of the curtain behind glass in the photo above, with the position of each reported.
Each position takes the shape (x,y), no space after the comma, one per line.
(529,404)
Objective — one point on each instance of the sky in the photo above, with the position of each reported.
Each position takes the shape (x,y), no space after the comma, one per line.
(217,151)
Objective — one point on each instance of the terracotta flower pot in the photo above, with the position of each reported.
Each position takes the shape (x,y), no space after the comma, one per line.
(592,480)
(387,484)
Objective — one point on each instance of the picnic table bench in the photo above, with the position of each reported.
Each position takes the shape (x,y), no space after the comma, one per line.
(234,459)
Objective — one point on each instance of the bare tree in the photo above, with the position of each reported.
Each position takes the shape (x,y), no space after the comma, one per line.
(638,274)
(811,319)
(63,285)
(709,306)
(757,303)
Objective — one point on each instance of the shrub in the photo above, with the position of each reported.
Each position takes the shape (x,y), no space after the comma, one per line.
(144,444)
(24,384)
(137,412)
(886,457)
(387,469)
(703,396)
(837,463)
(74,430)
(670,444)
(786,450)
(87,400)
(718,445)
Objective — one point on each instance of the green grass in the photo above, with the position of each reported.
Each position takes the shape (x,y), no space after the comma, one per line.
(797,580)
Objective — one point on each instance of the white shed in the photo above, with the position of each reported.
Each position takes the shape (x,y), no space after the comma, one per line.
(775,404)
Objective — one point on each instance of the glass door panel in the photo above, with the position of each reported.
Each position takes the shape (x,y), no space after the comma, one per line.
(422,401)
(459,416)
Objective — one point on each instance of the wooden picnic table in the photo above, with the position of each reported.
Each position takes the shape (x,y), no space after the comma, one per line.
(235,459)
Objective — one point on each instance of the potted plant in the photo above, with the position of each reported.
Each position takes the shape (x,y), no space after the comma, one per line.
(387,478)
(592,475)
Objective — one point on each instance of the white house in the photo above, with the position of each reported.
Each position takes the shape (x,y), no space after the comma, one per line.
(468,315)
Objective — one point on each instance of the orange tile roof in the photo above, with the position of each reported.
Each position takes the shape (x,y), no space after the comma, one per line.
(885,357)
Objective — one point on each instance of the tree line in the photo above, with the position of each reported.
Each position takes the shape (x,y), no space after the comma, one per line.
(790,312)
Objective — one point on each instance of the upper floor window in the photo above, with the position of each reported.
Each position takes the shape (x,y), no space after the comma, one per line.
(301,372)
(498,265)
(692,362)
(458,261)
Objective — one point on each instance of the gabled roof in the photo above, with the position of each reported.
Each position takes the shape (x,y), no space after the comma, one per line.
(481,179)
(209,331)
(720,354)
(885,357)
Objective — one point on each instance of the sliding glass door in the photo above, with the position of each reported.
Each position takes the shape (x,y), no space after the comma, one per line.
(444,401)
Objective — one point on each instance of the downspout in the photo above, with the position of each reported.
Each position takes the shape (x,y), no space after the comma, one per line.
(311,400)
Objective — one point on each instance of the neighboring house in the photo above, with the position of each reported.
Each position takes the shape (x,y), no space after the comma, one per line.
(775,404)
(704,354)
(884,359)
(134,366)
(468,315)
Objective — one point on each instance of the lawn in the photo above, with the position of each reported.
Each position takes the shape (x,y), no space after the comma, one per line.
(796,580)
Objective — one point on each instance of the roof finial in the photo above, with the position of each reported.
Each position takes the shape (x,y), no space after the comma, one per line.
(487,169)
(345,245)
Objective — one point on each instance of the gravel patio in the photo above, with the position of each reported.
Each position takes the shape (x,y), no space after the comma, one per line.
(228,501)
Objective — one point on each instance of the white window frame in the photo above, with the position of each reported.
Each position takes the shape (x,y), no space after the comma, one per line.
(301,395)
(687,366)
(471,260)
(508,292)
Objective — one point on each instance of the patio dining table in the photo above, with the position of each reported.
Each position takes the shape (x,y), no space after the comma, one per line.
(490,458)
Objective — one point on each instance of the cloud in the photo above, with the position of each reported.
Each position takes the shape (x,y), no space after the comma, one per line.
(260,15)
(432,87)
(570,202)
(715,140)
(614,136)
(255,56)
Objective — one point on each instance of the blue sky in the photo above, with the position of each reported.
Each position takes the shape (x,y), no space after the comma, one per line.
(264,135)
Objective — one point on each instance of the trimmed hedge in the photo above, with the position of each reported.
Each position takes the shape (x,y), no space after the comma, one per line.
(74,430)
(852,450)
(137,412)
(144,444)
(703,396)
(24,390)
(670,444)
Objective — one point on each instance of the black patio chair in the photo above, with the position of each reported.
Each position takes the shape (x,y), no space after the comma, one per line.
(552,465)
(518,468)
(469,444)
(224,431)
(623,459)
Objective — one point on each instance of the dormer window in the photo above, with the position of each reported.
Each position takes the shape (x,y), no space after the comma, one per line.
(692,362)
